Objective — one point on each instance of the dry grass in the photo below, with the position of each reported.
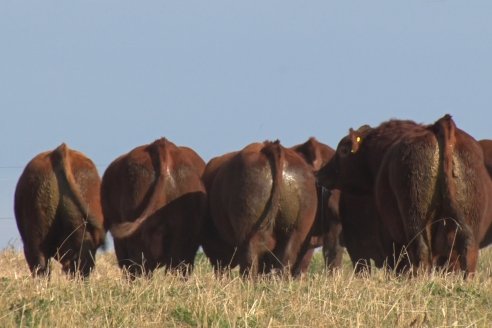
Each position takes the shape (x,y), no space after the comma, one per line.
(202,300)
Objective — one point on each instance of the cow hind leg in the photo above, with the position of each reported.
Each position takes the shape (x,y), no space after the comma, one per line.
(332,251)
(132,266)
(86,261)
(80,260)
(249,256)
(269,262)
(306,260)
(415,257)
(467,250)
(423,255)
(292,253)
(357,253)
(456,249)
(361,266)
(400,261)
(471,259)
(182,253)
(37,261)
(70,267)
(248,265)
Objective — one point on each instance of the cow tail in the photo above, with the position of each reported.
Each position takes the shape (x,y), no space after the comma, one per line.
(62,154)
(275,154)
(447,139)
(159,154)
(445,130)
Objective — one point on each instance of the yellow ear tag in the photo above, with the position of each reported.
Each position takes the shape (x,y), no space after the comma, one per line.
(358,139)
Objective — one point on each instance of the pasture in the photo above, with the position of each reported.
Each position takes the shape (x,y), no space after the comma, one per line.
(317,299)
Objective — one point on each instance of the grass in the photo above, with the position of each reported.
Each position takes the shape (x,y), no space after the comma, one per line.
(203,300)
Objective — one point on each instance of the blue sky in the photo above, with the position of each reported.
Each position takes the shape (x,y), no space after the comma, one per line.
(107,76)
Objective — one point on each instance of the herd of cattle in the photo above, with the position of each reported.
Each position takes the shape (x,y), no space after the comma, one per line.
(402,195)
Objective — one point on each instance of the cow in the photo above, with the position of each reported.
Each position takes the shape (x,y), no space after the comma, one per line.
(262,205)
(328,232)
(429,186)
(222,256)
(58,212)
(487,153)
(363,235)
(154,202)
(355,213)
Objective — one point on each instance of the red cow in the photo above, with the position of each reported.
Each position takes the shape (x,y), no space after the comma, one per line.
(262,203)
(154,203)
(428,185)
(363,234)
(487,153)
(361,227)
(58,211)
(328,230)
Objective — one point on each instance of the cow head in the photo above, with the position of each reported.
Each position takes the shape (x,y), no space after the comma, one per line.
(347,170)
(314,153)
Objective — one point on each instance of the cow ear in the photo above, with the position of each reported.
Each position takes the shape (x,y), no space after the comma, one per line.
(317,160)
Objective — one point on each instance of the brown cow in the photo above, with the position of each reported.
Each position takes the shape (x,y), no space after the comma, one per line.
(487,153)
(328,231)
(220,254)
(58,211)
(262,203)
(154,202)
(428,185)
(361,233)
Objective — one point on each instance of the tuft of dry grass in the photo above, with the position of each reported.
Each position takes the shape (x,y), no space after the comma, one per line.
(317,299)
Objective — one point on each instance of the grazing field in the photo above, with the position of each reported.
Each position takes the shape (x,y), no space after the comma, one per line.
(203,300)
